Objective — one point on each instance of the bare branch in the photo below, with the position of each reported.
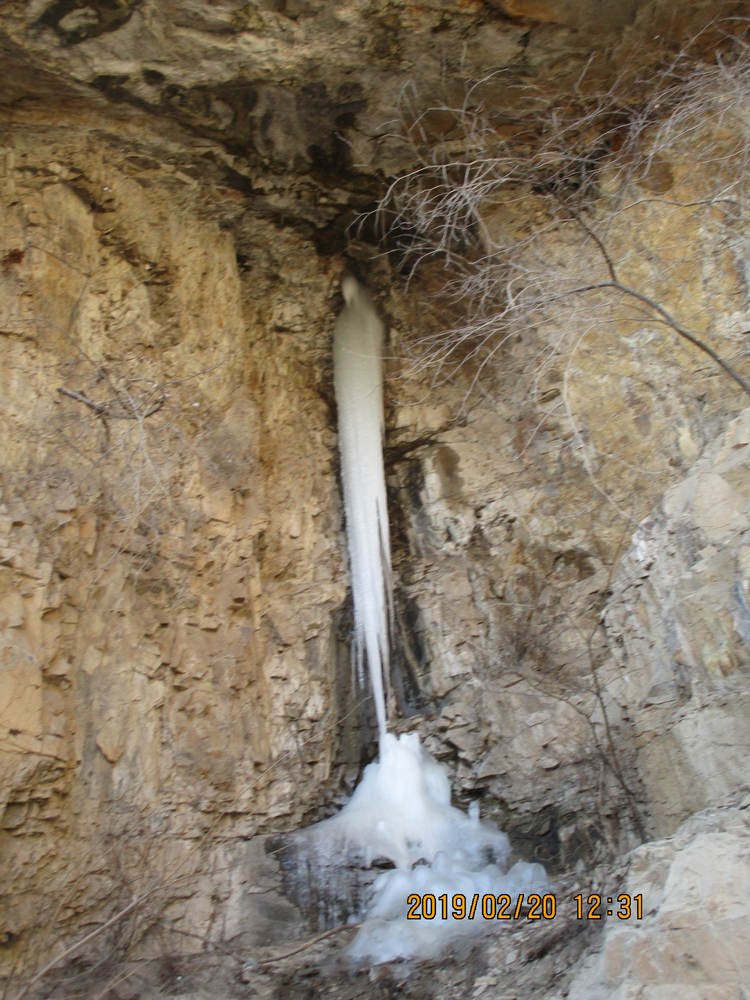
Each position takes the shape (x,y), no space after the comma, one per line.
(308,944)
(79,397)
(668,319)
(59,959)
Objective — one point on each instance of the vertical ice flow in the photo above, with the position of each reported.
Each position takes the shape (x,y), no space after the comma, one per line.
(358,382)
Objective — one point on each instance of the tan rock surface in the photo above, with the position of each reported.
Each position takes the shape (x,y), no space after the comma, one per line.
(679,623)
(171,554)
(174,676)
(694,938)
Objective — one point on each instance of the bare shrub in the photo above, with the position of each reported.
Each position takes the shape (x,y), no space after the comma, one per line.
(610,215)
(125,429)
(596,251)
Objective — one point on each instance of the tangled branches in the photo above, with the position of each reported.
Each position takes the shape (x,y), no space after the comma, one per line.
(584,213)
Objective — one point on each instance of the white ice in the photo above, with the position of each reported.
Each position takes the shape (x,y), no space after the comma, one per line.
(358,383)
(402,811)
(402,808)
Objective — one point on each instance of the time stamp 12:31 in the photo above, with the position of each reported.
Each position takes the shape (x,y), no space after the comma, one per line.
(532,907)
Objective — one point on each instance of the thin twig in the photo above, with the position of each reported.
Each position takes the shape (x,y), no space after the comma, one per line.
(79,397)
(668,319)
(84,940)
(558,155)
(104,411)
(310,943)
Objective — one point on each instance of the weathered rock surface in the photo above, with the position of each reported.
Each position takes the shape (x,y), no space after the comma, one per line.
(573,596)
(622,689)
(301,100)
(694,939)
(678,620)
(170,547)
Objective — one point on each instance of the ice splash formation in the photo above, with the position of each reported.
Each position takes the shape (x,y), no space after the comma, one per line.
(401,810)
(358,382)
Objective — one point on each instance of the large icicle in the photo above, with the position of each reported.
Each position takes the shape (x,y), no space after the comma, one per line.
(358,381)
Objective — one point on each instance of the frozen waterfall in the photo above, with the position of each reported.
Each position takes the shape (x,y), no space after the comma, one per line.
(358,381)
(402,808)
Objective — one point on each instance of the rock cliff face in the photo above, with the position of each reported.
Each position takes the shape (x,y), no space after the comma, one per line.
(572,566)
(693,942)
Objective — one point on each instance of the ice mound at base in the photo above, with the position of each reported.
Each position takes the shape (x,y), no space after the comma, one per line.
(387,934)
(402,811)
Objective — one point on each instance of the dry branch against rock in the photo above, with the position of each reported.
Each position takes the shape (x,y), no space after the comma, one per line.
(105,411)
(583,164)
(271,960)
(81,398)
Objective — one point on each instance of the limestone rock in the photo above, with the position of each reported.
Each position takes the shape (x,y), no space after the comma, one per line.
(176,183)
(679,610)
(694,938)
(167,642)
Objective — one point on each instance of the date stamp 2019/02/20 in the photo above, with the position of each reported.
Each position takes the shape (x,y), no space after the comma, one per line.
(532,907)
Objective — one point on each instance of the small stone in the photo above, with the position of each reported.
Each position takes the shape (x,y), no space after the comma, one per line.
(59,667)
(249,969)
(110,741)
(549,763)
